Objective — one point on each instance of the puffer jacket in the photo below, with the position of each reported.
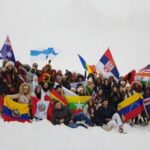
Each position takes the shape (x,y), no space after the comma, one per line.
(63,113)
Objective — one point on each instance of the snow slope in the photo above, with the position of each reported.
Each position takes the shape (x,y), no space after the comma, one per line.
(43,135)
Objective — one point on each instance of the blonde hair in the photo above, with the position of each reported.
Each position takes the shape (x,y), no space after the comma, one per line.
(21,88)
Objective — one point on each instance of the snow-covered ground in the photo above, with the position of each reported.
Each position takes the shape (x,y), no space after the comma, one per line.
(44,136)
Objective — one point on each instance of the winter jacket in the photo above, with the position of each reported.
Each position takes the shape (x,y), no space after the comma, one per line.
(63,113)
(12,82)
(115,100)
(3,87)
(105,113)
(106,90)
(93,114)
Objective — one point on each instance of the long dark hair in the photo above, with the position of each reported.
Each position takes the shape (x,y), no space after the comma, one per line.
(38,95)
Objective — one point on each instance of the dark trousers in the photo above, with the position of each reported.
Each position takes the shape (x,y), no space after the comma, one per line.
(80,117)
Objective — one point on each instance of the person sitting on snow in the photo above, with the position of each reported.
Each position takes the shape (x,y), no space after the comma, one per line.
(109,117)
(63,115)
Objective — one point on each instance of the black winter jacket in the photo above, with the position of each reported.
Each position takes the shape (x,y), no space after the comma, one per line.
(105,113)
(63,113)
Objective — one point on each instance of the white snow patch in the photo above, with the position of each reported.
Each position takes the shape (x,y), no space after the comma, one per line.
(43,135)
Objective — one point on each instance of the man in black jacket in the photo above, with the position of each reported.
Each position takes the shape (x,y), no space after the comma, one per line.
(107,115)
(63,115)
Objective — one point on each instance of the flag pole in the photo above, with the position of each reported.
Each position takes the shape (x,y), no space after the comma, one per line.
(147,114)
(146,111)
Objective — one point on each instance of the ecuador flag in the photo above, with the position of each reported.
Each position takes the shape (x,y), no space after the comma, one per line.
(131,107)
(77,103)
(14,111)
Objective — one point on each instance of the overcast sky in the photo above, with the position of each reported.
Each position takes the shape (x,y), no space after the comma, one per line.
(87,27)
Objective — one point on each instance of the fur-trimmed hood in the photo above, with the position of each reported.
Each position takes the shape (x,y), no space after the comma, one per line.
(21,88)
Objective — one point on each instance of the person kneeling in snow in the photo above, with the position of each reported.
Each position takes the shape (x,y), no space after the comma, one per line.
(109,117)
(62,115)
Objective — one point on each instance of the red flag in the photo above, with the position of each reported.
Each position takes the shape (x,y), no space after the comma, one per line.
(34,107)
(130,76)
(57,96)
(1,102)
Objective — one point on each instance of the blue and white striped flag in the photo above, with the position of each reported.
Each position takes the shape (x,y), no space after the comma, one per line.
(43,54)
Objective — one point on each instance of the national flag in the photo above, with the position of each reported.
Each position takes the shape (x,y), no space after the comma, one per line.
(42,109)
(130,76)
(85,65)
(68,92)
(7,51)
(77,103)
(56,96)
(143,75)
(93,68)
(131,107)
(14,111)
(89,91)
(43,54)
(36,111)
(146,103)
(107,66)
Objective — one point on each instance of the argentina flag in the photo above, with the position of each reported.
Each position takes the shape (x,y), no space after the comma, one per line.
(43,54)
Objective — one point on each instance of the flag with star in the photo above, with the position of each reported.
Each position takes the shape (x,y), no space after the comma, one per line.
(77,103)
(7,51)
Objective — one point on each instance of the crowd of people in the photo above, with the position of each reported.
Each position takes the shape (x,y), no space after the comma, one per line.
(22,81)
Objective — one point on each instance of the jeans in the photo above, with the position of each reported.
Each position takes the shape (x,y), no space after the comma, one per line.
(73,125)
(83,117)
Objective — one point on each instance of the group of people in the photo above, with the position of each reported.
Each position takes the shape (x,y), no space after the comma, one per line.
(22,82)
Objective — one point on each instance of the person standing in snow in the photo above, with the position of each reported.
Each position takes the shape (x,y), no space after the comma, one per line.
(115,97)
(11,78)
(106,88)
(42,105)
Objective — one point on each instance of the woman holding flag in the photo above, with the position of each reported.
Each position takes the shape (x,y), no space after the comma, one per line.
(24,95)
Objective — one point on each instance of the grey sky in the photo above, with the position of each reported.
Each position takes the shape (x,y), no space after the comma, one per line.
(87,27)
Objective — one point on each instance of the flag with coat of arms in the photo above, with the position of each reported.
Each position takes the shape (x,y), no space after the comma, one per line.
(106,65)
